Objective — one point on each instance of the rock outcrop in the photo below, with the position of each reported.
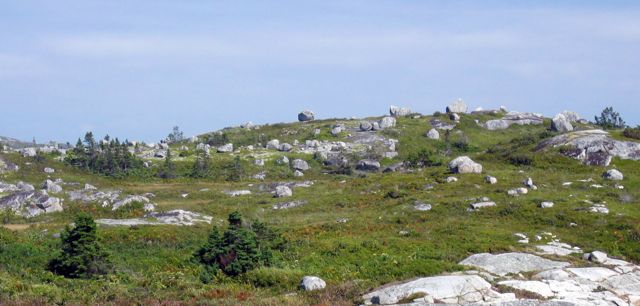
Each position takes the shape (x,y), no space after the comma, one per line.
(172,217)
(592,147)
(512,118)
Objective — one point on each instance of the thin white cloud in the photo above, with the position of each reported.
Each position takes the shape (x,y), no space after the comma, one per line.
(19,66)
(294,47)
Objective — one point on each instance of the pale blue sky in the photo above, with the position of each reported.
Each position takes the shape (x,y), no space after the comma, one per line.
(134,69)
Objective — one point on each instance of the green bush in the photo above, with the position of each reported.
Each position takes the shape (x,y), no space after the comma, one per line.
(275,278)
(239,249)
(423,158)
(81,255)
(632,132)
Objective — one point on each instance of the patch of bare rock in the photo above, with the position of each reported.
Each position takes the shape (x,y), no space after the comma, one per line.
(545,282)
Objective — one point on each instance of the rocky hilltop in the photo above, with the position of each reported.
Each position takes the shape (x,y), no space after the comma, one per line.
(483,207)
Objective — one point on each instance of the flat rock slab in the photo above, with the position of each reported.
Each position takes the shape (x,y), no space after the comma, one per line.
(511,263)
(594,274)
(555,250)
(448,289)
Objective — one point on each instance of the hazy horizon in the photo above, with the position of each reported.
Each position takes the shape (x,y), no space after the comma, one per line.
(135,70)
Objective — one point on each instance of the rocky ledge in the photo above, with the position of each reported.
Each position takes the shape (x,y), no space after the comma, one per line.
(521,279)
(592,147)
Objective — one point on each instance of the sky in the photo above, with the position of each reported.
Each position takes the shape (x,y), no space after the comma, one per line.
(135,69)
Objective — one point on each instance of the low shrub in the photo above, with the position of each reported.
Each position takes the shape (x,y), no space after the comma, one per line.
(632,132)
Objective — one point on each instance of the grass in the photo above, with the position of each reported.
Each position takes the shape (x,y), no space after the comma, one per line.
(154,263)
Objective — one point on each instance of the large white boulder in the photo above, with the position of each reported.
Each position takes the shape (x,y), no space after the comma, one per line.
(283,191)
(299,164)
(227,148)
(464,164)
(457,107)
(310,283)
(397,111)
(561,124)
(306,115)
(386,122)
(613,175)
(433,134)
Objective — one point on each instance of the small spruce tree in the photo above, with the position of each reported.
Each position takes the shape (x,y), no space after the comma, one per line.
(169,169)
(239,249)
(610,119)
(81,254)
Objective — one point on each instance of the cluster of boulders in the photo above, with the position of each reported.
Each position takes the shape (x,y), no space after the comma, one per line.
(25,200)
(528,185)
(110,198)
(384,123)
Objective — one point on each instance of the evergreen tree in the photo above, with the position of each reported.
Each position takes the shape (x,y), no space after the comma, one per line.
(110,157)
(201,165)
(175,136)
(610,119)
(239,249)
(235,171)
(81,255)
(169,169)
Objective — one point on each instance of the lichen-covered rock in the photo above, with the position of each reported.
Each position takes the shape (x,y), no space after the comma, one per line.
(306,115)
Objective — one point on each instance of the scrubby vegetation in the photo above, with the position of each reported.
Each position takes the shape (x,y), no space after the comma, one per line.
(632,132)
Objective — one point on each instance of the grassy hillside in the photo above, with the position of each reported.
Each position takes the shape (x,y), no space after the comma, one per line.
(383,240)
